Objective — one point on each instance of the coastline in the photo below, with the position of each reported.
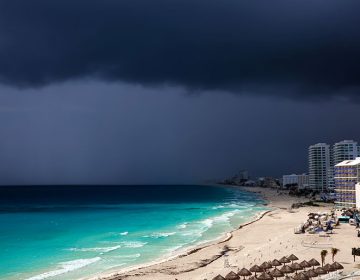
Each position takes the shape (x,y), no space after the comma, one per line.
(178,254)
(131,272)
(270,235)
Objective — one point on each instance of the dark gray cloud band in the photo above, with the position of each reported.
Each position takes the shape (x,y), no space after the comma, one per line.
(310,47)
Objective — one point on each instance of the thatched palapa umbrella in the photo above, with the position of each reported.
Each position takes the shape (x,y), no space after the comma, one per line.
(292,258)
(327,267)
(305,264)
(286,269)
(265,266)
(301,276)
(232,276)
(219,277)
(256,269)
(275,263)
(284,260)
(264,276)
(313,263)
(337,266)
(295,266)
(320,271)
(311,273)
(276,273)
(244,272)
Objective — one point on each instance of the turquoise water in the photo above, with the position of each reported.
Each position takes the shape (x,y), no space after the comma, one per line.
(71,232)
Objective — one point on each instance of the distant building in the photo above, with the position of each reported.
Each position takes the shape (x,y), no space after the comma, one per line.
(268,182)
(302,180)
(289,180)
(347,179)
(244,175)
(320,167)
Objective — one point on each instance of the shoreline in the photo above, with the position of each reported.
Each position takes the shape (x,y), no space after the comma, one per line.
(188,251)
(267,236)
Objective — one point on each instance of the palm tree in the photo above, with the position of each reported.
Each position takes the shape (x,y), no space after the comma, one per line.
(334,251)
(323,254)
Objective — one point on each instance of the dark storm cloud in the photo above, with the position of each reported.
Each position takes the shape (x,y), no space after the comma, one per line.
(100,133)
(295,47)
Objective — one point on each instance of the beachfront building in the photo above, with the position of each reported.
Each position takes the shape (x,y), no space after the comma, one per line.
(320,167)
(345,150)
(301,180)
(347,187)
(357,195)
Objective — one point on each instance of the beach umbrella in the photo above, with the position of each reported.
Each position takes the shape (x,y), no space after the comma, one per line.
(292,258)
(286,269)
(264,276)
(284,260)
(337,266)
(275,263)
(255,269)
(333,267)
(295,266)
(347,213)
(232,276)
(313,263)
(265,265)
(301,276)
(327,267)
(244,272)
(219,277)
(276,273)
(305,264)
(320,271)
(311,273)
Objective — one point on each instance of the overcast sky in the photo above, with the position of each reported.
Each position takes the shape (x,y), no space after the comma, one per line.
(170,91)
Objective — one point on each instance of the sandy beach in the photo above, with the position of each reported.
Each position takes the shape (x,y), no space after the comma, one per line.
(270,236)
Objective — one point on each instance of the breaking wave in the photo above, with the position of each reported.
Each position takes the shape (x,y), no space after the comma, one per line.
(65,267)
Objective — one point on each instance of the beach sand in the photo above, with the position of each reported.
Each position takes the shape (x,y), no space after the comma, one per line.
(270,236)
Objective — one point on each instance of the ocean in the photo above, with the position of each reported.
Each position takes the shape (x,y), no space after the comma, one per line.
(70,232)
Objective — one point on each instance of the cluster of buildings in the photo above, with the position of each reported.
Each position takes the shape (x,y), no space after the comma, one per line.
(334,169)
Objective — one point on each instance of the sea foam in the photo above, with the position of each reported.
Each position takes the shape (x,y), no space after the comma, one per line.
(160,234)
(65,267)
(96,249)
(133,244)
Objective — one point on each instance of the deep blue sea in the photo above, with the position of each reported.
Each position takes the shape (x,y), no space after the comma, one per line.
(69,232)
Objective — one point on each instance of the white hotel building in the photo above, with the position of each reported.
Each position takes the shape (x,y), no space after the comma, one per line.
(345,150)
(347,183)
(301,180)
(320,171)
(323,158)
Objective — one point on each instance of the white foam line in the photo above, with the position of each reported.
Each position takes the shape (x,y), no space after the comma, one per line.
(133,244)
(96,249)
(65,267)
(160,234)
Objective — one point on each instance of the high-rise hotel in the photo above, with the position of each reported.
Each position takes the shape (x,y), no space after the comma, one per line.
(319,166)
(345,150)
(323,158)
(347,183)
